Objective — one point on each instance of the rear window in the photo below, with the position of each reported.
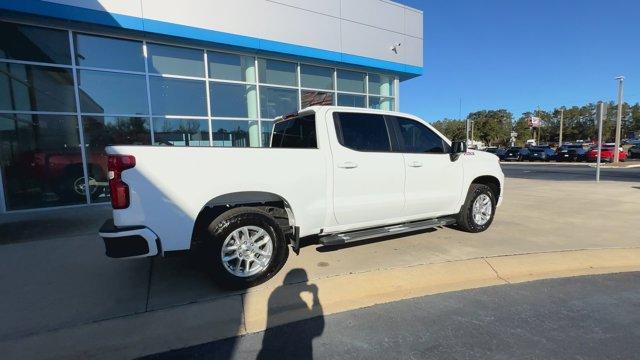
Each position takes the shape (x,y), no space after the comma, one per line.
(362,132)
(298,133)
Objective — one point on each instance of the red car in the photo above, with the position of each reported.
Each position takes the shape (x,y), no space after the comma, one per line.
(607,154)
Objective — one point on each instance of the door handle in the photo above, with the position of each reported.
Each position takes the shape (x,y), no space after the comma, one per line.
(415,164)
(348,165)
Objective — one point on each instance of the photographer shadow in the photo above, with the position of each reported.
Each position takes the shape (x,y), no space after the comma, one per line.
(293,340)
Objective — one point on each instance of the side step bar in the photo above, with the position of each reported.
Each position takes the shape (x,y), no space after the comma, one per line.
(348,237)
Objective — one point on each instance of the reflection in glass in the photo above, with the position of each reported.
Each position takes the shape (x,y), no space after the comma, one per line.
(381,84)
(316,77)
(275,102)
(32,43)
(108,53)
(382,103)
(180,132)
(351,81)
(277,72)
(234,67)
(177,96)
(233,100)
(102,131)
(311,97)
(235,133)
(266,129)
(113,93)
(164,59)
(41,161)
(351,100)
(36,88)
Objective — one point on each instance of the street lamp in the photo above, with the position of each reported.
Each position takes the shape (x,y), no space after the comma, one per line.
(616,151)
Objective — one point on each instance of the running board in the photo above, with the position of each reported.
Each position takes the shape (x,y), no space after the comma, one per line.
(348,237)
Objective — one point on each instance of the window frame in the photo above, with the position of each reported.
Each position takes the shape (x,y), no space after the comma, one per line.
(391,134)
(393,120)
(75,66)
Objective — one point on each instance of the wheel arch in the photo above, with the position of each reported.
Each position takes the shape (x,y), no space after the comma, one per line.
(492,182)
(272,203)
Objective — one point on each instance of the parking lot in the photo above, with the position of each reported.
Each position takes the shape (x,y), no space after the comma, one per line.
(66,299)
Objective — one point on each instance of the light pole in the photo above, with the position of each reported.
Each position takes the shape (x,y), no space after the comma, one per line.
(472,123)
(561,120)
(601,111)
(616,151)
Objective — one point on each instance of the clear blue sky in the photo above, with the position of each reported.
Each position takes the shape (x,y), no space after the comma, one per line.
(520,54)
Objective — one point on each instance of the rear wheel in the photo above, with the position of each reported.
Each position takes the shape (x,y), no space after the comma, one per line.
(246,247)
(477,212)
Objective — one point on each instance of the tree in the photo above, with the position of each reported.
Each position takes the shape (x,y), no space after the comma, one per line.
(453,129)
(493,127)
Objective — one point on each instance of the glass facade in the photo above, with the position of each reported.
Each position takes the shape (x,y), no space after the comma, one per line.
(65,95)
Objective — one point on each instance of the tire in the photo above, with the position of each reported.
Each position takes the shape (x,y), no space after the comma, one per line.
(72,185)
(465,219)
(222,229)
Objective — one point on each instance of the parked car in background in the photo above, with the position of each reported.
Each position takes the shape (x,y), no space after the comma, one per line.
(634,152)
(512,154)
(491,149)
(571,152)
(607,153)
(541,154)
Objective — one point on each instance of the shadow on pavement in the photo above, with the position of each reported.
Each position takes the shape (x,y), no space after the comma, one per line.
(279,341)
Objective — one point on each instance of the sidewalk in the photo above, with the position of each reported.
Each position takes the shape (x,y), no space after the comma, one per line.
(66,299)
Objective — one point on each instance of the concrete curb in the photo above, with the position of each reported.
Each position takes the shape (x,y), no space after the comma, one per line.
(609,166)
(191,324)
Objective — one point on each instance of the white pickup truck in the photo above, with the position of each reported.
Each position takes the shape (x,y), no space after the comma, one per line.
(333,173)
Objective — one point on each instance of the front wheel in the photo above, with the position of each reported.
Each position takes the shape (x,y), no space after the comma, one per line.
(477,212)
(246,247)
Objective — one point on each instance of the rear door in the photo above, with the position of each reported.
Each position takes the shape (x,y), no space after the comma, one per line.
(433,184)
(368,175)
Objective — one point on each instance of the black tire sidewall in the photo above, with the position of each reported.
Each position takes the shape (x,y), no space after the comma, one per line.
(224,225)
(476,191)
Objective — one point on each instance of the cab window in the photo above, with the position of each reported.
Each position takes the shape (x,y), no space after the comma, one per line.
(298,133)
(362,132)
(417,138)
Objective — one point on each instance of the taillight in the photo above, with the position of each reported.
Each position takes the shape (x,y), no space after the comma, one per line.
(116,164)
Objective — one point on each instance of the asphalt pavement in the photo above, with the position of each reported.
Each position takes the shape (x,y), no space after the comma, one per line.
(590,317)
(565,172)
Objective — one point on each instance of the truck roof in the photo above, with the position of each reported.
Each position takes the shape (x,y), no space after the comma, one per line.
(317,108)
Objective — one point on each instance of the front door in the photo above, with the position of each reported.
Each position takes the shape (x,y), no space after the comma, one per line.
(433,181)
(368,176)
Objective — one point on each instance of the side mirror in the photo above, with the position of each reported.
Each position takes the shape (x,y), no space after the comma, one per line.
(457,148)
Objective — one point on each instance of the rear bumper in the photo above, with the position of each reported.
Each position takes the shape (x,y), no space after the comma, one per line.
(128,242)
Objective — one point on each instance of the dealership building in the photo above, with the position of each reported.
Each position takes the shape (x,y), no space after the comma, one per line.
(78,75)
